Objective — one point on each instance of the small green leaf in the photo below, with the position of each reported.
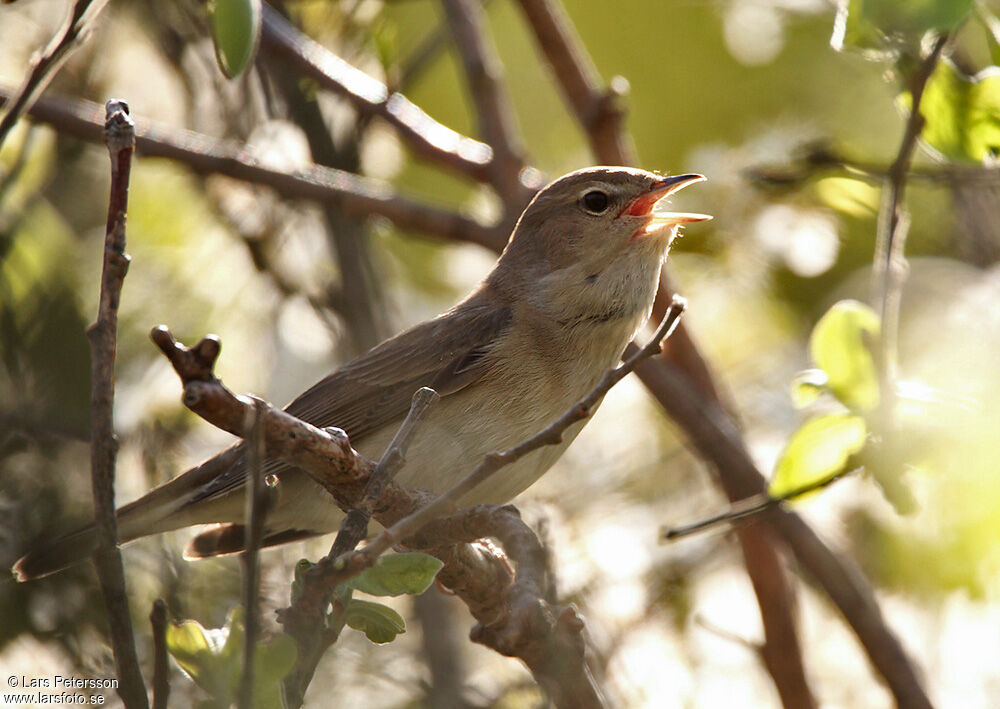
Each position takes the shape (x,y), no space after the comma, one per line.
(808,386)
(381,624)
(962,113)
(840,346)
(875,24)
(819,449)
(397,574)
(235,32)
(217,667)
(190,646)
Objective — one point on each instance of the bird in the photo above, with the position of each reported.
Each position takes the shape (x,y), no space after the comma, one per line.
(574,284)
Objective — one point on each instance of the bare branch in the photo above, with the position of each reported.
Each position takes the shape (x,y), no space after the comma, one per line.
(256,502)
(104,444)
(425,136)
(45,66)
(893,224)
(493,106)
(598,110)
(512,620)
(306,619)
(357,196)
(324,453)
(161,663)
(753,506)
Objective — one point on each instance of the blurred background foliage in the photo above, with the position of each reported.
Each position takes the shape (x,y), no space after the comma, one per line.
(739,90)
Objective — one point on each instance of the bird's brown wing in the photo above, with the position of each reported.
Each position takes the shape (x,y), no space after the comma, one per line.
(447,353)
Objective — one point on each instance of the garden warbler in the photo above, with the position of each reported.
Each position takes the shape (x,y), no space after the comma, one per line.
(573,285)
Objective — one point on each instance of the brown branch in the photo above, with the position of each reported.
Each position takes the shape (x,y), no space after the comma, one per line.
(597,109)
(357,196)
(893,224)
(45,66)
(306,619)
(104,444)
(494,110)
(549,640)
(256,511)
(161,664)
(425,136)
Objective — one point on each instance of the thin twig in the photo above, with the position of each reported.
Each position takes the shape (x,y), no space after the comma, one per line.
(751,507)
(161,665)
(357,196)
(256,496)
(494,110)
(514,617)
(45,66)
(104,444)
(312,635)
(430,48)
(893,223)
(714,435)
(425,136)
(550,435)
(598,110)
(355,525)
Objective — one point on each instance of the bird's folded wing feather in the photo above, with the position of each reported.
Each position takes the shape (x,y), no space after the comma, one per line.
(447,354)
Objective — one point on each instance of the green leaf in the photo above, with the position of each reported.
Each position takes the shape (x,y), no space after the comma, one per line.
(876,24)
(381,624)
(218,667)
(397,574)
(819,449)
(840,346)
(235,32)
(190,646)
(962,113)
(808,386)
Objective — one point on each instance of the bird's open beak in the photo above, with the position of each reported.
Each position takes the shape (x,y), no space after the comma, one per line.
(645,204)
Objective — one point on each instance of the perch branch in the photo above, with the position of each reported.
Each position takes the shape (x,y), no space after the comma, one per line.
(477,572)
(102,335)
(306,621)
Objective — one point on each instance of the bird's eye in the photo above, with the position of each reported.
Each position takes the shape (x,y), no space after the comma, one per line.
(595,202)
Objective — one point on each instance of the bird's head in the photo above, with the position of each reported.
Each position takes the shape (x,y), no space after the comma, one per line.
(600,231)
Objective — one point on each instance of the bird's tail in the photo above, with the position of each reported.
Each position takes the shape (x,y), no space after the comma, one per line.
(157,511)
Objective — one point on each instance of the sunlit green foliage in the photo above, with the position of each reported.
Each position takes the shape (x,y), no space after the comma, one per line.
(236,31)
(214,660)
